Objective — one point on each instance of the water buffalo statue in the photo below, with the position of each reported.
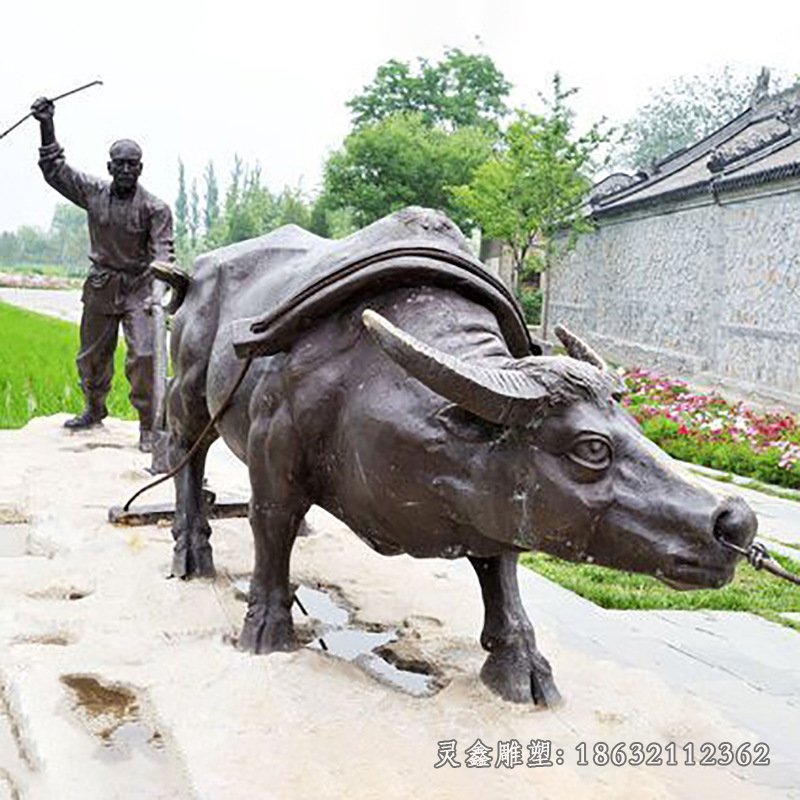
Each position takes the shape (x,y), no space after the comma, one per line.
(392,381)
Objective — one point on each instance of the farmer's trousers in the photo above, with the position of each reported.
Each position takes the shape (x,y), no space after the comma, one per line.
(99,331)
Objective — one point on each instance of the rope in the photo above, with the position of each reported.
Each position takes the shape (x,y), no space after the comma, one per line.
(759,557)
(193,449)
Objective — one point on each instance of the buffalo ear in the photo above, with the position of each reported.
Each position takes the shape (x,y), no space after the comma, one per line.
(578,349)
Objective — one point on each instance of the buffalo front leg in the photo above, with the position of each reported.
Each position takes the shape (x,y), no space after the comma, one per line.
(277,507)
(514,668)
(192,556)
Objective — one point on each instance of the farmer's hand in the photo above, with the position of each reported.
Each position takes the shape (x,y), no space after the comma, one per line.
(43,109)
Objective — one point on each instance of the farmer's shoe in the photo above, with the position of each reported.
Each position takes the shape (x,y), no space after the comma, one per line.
(90,418)
(146,439)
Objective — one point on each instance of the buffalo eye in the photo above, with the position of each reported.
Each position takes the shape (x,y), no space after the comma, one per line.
(591,451)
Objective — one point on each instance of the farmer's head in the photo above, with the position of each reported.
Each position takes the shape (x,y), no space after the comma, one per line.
(125,165)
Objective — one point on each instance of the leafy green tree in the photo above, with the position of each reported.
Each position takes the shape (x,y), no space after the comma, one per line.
(530,194)
(181,210)
(33,245)
(462,89)
(245,204)
(211,210)
(402,161)
(680,114)
(9,247)
(69,235)
(329,221)
(65,243)
(291,208)
(194,216)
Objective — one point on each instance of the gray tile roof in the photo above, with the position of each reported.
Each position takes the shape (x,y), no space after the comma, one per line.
(761,145)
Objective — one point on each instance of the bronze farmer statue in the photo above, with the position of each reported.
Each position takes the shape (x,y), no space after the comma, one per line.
(129,229)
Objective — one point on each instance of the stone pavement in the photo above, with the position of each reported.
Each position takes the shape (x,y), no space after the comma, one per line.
(778,518)
(61,303)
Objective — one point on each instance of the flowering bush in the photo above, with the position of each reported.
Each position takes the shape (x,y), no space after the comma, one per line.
(707,429)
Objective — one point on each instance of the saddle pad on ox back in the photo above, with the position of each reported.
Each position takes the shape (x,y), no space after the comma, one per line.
(412,247)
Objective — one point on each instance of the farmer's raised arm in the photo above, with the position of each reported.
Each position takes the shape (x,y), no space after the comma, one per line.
(74,185)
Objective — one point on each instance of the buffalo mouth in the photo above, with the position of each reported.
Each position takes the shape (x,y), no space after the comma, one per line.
(692,574)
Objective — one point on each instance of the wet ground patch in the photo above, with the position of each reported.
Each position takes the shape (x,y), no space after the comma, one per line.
(112,714)
(93,446)
(119,719)
(324,622)
(61,591)
(54,639)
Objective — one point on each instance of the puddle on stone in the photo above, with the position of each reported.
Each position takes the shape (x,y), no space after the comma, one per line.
(60,592)
(113,716)
(130,746)
(12,515)
(343,638)
(56,638)
(93,446)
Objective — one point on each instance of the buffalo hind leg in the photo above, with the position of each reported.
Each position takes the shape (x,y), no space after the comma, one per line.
(277,507)
(514,668)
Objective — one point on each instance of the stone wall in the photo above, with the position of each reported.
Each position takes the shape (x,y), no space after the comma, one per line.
(705,290)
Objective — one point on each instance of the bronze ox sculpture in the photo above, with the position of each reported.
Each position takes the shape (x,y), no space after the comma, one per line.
(394,384)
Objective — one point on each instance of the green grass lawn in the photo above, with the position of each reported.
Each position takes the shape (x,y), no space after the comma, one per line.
(37,369)
(751,590)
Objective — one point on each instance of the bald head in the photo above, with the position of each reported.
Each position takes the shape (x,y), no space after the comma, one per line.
(125,148)
(125,166)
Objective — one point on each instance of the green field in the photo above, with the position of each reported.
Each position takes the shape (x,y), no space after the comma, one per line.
(751,590)
(37,369)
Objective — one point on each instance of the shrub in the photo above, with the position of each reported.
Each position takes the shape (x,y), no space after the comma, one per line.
(531,302)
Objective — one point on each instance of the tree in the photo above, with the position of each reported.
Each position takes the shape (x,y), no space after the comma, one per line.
(69,235)
(461,90)
(530,194)
(9,247)
(181,210)
(292,209)
(211,210)
(681,113)
(194,216)
(402,161)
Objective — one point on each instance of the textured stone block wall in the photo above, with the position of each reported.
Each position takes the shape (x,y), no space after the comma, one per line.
(711,290)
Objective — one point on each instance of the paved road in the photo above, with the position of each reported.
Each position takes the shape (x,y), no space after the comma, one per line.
(62,303)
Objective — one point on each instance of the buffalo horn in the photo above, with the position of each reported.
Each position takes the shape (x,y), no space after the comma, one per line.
(578,349)
(503,396)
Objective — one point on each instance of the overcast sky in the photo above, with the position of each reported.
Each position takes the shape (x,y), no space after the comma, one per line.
(269,80)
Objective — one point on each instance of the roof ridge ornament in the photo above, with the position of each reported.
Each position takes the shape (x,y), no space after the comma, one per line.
(761,89)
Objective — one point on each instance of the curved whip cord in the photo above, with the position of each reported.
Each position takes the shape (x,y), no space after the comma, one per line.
(193,449)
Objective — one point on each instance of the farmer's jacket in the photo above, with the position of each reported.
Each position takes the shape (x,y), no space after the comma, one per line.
(126,234)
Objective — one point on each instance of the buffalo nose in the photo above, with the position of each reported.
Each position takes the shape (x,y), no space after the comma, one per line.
(736,522)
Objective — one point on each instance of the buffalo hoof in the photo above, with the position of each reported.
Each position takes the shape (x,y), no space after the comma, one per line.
(521,676)
(192,559)
(264,633)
